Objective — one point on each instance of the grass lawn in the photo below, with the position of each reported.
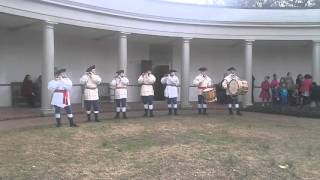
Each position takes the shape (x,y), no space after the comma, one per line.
(254,146)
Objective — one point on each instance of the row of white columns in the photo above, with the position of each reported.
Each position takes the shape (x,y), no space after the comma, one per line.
(48,65)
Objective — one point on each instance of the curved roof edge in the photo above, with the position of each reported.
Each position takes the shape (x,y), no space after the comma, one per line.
(215,16)
(72,16)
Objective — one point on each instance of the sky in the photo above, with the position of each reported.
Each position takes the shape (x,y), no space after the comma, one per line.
(200,2)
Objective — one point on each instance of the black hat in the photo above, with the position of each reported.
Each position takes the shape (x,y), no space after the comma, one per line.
(90,68)
(120,71)
(202,69)
(231,69)
(172,70)
(58,72)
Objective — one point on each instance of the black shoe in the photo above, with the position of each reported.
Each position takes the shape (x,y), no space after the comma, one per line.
(176,112)
(238,112)
(96,117)
(145,113)
(204,111)
(117,116)
(58,122)
(170,111)
(88,117)
(151,113)
(72,124)
(230,111)
(124,115)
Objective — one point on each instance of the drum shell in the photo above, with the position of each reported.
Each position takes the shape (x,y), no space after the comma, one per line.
(210,95)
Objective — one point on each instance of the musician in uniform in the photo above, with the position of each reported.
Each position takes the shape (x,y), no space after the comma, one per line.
(60,88)
(91,80)
(171,81)
(231,98)
(120,83)
(147,79)
(202,81)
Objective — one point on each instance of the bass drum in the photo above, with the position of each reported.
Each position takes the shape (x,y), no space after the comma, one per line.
(233,87)
(238,87)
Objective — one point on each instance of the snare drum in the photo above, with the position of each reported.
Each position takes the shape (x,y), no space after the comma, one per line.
(210,94)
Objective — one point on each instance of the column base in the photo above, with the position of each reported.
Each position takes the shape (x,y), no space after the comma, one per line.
(46,111)
(186,106)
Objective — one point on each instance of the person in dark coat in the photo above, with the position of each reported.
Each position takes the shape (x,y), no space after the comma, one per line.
(315,93)
(28,90)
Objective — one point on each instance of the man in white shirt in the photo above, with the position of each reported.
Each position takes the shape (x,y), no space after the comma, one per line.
(171,81)
(91,80)
(60,88)
(119,83)
(147,79)
(231,98)
(202,81)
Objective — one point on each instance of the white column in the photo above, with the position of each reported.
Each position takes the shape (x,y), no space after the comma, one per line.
(185,69)
(316,61)
(47,66)
(123,51)
(248,72)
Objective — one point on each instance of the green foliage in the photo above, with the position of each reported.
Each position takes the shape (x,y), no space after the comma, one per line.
(267,4)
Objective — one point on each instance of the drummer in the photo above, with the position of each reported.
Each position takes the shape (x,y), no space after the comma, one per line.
(231,98)
(202,81)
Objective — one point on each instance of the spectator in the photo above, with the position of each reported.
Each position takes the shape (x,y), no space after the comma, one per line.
(37,90)
(265,88)
(252,89)
(275,85)
(290,87)
(305,89)
(315,94)
(298,94)
(28,90)
(299,81)
(284,94)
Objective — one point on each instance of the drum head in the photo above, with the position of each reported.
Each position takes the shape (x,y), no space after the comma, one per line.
(233,87)
(208,89)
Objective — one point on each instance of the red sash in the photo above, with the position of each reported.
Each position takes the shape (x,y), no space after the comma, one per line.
(65,96)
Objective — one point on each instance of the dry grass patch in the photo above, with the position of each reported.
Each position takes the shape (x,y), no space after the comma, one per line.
(184,147)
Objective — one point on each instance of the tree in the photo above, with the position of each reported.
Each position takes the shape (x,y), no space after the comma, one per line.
(273,3)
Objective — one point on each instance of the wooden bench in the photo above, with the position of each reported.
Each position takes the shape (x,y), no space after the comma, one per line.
(16,95)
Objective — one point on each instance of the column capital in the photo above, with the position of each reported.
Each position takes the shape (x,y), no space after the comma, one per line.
(249,41)
(123,34)
(49,24)
(186,39)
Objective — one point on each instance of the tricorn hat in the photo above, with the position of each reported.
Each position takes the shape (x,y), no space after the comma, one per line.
(202,69)
(147,69)
(59,71)
(120,71)
(231,69)
(91,68)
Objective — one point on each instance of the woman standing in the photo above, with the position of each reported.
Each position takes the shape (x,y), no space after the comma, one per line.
(265,88)
(305,88)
